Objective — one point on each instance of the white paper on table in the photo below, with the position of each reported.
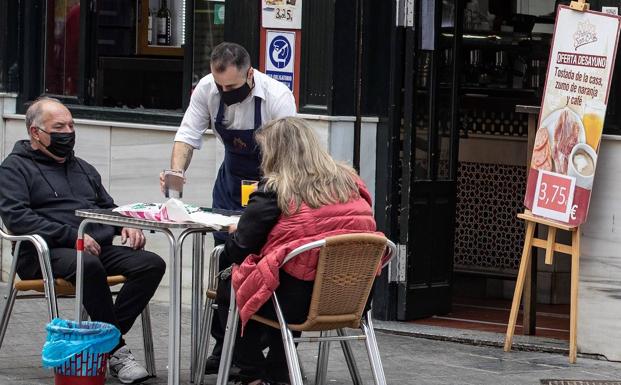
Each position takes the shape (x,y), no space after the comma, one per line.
(176,211)
(216,221)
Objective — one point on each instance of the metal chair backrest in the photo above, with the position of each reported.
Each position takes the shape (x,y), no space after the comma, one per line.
(346,269)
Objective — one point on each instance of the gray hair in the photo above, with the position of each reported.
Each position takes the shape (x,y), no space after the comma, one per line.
(34,112)
(228,54)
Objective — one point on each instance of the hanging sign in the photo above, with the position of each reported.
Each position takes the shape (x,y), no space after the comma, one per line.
(572,115)
(284,14)
(280,56)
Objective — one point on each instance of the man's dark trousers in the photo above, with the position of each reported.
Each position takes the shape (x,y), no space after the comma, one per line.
(143,270)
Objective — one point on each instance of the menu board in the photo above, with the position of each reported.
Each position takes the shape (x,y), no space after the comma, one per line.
(572,115)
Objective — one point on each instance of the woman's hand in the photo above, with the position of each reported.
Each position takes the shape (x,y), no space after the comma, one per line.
(232,229)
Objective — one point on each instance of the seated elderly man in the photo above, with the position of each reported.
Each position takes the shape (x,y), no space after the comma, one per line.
(43,183)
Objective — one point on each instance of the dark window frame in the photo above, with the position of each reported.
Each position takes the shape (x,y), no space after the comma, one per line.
(31,16)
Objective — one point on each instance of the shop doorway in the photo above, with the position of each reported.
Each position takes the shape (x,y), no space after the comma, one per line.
(462,170)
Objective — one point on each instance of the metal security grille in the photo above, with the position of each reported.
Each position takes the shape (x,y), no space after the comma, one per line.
(488,235)
(480,121)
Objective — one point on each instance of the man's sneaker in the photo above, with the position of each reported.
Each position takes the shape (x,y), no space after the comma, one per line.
(124,366)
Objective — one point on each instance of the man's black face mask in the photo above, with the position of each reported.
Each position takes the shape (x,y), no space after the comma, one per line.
(61,143)
(237,95)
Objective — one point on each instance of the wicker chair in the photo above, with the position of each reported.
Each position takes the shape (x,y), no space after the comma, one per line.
(51,289)
(346,270)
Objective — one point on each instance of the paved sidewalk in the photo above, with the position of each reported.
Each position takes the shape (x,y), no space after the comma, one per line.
(407,360)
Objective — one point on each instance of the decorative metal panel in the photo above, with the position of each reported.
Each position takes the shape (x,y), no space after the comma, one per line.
(488,233)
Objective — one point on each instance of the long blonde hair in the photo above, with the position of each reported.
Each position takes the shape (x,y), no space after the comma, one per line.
(299,169)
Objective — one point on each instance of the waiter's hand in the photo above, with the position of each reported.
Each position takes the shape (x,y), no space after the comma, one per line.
(91,246)
(135,237)
(162,182)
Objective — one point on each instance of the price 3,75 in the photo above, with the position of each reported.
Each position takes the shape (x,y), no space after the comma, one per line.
(557,194)
(554,194)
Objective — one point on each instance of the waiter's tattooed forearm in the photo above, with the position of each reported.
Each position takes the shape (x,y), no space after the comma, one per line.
(182,155)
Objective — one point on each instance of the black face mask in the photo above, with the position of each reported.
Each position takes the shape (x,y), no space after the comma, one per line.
(237,95)
(61,143)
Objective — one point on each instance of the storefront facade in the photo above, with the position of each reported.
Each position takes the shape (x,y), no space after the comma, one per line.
(420,96)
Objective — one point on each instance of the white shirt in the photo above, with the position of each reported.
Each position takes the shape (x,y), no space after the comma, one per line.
(276,102)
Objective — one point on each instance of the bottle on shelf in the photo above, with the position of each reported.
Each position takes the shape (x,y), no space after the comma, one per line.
(163,24)
(150,27)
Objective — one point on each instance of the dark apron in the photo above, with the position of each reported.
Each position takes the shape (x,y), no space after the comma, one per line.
(242,160)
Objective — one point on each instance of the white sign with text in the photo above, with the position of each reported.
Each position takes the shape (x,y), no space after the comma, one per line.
(283,14)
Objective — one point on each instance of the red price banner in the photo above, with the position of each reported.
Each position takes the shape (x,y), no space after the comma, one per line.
(554,195)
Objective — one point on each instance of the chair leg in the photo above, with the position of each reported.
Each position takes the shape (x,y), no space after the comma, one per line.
(6,312)
(10,297)
(349,359)
(372,350)
(147,339)
(293,362)
(52,303)
(203,345)
(84,314)
(303,371)
(322,360)
(229,342)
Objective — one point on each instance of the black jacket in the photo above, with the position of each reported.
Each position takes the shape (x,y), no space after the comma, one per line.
(255,224)
(39,196)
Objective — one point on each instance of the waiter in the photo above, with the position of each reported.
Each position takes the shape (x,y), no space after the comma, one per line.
(236,100)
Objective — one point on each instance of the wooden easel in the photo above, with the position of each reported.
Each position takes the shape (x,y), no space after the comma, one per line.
(550,246)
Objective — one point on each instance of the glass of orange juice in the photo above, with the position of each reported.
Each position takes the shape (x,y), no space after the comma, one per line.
(593,121)
(247,188)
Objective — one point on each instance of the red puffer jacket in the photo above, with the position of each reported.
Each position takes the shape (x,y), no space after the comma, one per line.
(256,279)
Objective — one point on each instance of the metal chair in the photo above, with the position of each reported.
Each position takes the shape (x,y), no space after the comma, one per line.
(207,314)
(52,289)
(346,270)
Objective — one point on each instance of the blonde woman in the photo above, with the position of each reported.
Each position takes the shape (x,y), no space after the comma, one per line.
(305,195)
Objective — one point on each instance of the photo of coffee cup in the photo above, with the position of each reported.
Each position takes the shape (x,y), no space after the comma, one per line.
(582,163)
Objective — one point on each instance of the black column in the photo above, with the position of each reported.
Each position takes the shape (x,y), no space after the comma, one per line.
(31,53)
(243,25)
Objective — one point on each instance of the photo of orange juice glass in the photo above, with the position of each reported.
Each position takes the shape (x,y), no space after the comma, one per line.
(593,121)
(247,188)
